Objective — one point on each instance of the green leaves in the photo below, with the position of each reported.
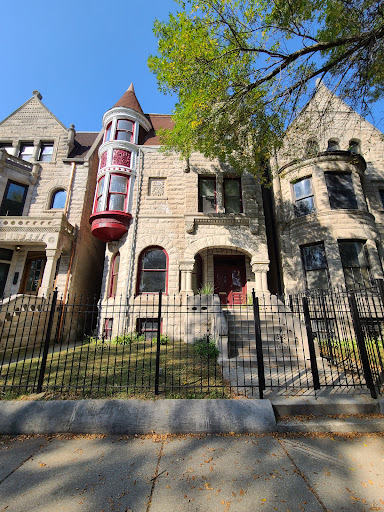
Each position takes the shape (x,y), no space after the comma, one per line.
(240,69)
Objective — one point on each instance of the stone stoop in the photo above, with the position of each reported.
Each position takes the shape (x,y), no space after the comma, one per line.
(283,335)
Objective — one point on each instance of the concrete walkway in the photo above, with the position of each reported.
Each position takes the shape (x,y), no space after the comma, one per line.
(218,473)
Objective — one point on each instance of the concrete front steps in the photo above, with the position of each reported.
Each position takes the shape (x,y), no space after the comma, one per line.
(283,335)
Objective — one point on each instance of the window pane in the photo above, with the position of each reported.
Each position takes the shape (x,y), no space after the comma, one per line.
(381,192)
(152,281)
(154,259)
(207,187)
(302,188)
(333,145)
(314,257)
(118,184)
(304,207)
(232,205)
(101,187)
(232,196)
(26,152)
(207,199)
(340,191)
(6,254)
(232,187)
(8,147)
(46,152)
(59,199)
(123,136)
(116,202)
(108,132)
(123,124)
(353,254)
(116,264)
(4,268)
(34,275)
(13,202)
(317,279)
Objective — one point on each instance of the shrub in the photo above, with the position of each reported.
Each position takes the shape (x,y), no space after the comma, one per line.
(127,339)
(163,339)
(206,289)
(206,348)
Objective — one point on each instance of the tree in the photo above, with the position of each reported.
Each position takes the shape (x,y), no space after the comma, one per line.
(242,69)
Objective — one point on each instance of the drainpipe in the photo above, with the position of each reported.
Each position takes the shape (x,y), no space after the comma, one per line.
(69,188)
(134,227)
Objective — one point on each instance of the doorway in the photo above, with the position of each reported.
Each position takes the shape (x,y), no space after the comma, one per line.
(33,273)
(230,279)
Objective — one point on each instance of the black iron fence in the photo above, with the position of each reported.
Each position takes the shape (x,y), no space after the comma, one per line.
(179,346)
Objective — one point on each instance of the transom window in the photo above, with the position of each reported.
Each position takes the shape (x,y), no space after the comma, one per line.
(58,199)
(207,195)
(46,151)
(304,203)
(340,191)
(355,263)
(232,195)
(14,199)
(153,267)
(26,151)
(315,266)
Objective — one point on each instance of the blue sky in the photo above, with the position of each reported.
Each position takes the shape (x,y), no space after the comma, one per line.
(81,55)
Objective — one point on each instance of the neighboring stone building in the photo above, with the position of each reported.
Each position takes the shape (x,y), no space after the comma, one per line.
(47,182)
(329,195)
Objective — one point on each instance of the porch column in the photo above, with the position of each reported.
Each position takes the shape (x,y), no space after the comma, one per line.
(46,286)
(260,270)
(186,268)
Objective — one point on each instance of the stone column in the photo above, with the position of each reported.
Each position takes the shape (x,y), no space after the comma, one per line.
(220,194)
(186,268)
(46,286)
(374,259)
(260,270)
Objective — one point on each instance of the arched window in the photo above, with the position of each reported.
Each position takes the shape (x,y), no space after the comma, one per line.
(333,145)
(114,275)
(354,147)
(312,147)
(153,270)
(58,199)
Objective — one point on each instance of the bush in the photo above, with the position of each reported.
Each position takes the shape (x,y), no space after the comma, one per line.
(206,348)
(127,339)
(163,339)
(206,289)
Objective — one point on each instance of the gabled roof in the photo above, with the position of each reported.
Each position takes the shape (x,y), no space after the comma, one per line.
(129,100)
(82,144)
(43,109)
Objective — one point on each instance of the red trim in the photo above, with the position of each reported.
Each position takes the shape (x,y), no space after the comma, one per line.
(140,269)
(114,275)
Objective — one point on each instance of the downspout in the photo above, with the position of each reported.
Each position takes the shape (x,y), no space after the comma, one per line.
(69,188)
(134,227)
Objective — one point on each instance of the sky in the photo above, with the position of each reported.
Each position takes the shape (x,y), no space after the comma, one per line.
(81,55)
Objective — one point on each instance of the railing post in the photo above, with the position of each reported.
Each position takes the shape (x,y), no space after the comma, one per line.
(157,374)
(259,344)
(380,286)
(311,344)
(46,343)
(361,344)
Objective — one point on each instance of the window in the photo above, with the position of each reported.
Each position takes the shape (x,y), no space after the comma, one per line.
(7,147)
(108,323)
(207,195)
(312,148)
(124,130)
(333,145)
(355,263)
(26,151)
(46,151)
(304,203)
(117,193)
(381,192)
(14,199)
(33,273)
(58,199)
(315,266)
(153,265)
(232,195)
(108,132)
(5,256)
(354,147)
(148,327)
(340,191)
(114,275)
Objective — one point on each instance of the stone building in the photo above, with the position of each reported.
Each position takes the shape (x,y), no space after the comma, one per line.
(47,182)
(161,223)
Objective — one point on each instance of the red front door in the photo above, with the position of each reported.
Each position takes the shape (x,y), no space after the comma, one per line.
(230,280)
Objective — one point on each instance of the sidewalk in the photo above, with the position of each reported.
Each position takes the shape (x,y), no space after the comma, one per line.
(227,473)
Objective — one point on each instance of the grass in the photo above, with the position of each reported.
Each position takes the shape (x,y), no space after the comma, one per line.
(96,369)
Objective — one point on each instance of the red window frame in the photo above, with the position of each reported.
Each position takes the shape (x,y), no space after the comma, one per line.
(117,193)
(98,196)
(108,324)
(114,275)
(108,132)
(124,130)
(140,270)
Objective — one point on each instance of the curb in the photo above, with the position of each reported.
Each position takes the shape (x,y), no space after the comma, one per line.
(323,406)
(137,417)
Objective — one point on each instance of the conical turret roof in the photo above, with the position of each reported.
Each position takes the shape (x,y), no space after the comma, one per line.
(129,100)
